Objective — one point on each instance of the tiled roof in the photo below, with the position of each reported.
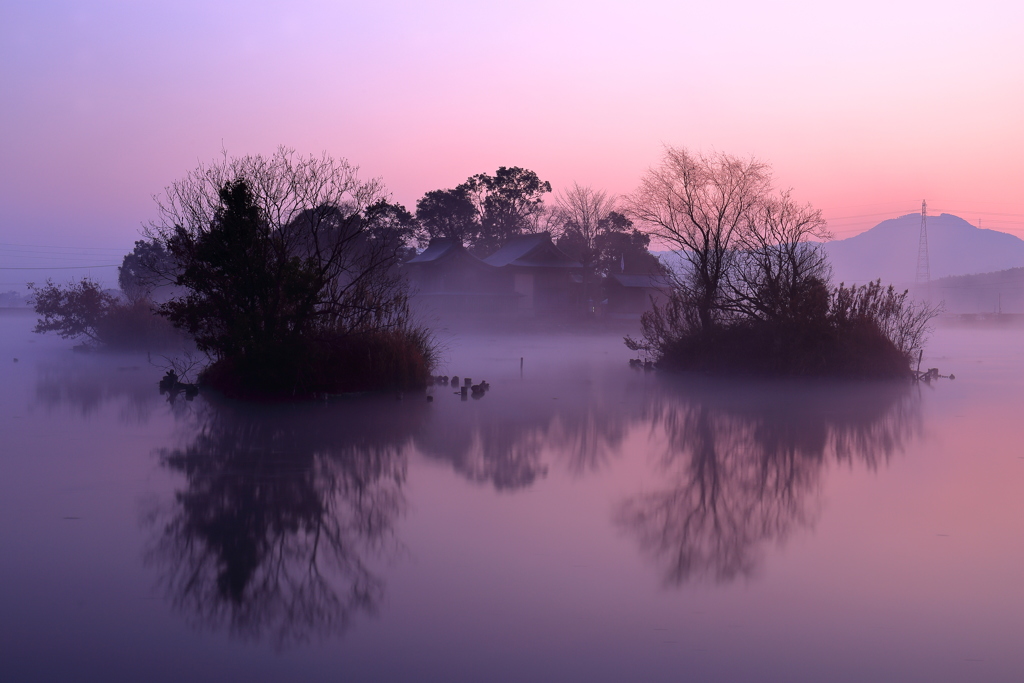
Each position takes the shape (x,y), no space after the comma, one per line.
(650,281)
(435,250)
(536,250)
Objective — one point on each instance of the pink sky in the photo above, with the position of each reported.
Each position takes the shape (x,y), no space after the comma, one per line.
(863,108)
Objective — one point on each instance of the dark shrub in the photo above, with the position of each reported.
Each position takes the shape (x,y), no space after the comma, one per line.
(81,310)
(375,360)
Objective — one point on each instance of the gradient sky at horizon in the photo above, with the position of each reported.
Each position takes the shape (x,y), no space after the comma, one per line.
(863,108)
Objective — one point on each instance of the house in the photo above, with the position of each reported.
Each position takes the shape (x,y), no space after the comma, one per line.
(448,281)
(543,278)
(527,277)
(629,295)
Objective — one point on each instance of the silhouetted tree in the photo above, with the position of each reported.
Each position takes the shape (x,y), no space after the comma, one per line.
(621,248)
(82,309)
(509,203)
(394,225)
(581,212)
(289,287)
(781,261)
(147,267)
(485,211)
(448,214)
(699,205)
(602,239)
(72,311)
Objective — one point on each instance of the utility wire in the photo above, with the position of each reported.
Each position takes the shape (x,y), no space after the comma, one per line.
(105,265)
(58,246)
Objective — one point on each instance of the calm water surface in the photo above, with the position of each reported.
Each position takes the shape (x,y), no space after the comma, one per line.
(583,521)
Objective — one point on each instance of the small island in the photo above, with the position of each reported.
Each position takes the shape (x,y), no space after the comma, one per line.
(282,271)
(753,293)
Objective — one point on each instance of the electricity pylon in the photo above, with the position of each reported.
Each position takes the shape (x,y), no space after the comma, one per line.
(924,271)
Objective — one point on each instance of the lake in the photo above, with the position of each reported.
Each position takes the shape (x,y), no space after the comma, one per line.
(581,521)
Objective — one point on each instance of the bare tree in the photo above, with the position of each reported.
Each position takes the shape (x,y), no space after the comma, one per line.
(780,259)
(285,185)
(581,212)
(699,204)
(311,207)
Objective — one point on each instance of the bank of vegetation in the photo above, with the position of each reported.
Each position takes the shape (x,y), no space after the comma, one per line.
(754,293)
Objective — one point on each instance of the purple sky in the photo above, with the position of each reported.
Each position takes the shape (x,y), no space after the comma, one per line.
(864,108)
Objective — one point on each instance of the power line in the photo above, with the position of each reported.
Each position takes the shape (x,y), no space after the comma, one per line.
(871,215)
(19,252)
(105,265)
(57,246)
(54,259)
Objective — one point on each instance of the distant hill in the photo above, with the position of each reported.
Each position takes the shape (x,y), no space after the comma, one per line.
(955,247)
(1001,291)
(889,251)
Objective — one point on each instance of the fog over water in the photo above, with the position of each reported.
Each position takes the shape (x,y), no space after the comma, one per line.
(581,521)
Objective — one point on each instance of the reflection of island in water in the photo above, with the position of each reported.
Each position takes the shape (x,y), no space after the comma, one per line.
(283,511)
(743,464)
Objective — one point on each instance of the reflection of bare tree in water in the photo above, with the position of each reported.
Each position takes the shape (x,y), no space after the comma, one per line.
(588,439)
(282,511)
(745,463)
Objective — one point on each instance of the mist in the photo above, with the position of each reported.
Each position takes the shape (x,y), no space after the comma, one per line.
(525,341)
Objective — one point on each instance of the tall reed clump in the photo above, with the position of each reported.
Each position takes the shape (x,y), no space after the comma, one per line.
(866,331)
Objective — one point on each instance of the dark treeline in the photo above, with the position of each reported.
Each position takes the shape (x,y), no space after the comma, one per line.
(486,211)
(287,272)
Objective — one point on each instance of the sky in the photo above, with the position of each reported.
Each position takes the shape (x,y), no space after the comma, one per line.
(863,109)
